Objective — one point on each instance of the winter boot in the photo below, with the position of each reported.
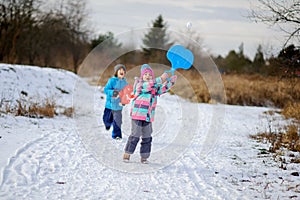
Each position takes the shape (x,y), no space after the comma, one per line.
(126,157)
(118,138)
(144,161)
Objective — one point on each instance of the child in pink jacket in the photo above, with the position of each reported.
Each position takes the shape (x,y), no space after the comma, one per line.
(146,90)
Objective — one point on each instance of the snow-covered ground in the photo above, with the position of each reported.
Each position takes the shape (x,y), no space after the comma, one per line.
(200,151)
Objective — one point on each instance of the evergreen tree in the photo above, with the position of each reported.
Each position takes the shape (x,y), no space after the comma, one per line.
(156,40)
(106,40)
(241,50)
(236,62)
(259,61)
(289,59)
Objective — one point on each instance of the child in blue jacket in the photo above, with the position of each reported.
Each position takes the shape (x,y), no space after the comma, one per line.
(113,110)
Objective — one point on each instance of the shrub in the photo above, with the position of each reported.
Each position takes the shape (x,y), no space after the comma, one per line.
(35,109)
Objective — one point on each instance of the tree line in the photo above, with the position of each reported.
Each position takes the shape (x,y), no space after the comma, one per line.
(36,33)
(286,63)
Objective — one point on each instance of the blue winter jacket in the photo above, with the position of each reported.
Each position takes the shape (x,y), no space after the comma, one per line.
(114,83)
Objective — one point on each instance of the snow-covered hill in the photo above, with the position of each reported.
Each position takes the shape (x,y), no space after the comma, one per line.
(200,151)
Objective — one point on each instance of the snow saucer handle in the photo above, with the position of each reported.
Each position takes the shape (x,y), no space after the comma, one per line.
(170,71)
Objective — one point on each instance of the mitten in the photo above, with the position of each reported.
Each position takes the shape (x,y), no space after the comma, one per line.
(115,93)
(164,76)
(173,79)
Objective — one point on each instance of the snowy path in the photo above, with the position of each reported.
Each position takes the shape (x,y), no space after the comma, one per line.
(57,166)
(200,151)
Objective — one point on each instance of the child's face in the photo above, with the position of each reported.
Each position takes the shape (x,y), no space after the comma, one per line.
(147,76)
(121,73)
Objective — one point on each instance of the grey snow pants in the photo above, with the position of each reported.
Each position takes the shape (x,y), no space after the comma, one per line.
(140,129)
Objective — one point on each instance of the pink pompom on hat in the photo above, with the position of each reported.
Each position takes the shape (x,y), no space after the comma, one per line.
(146,68)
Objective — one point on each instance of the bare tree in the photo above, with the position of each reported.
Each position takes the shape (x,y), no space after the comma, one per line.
(17,27)
(54,48)
(75,16)
(284,13)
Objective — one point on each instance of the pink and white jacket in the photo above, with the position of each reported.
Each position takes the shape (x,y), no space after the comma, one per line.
(146,92)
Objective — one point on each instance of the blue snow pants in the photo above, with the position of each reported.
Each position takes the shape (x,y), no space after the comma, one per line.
(113,117)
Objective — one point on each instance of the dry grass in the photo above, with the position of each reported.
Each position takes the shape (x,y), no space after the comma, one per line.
(292,136)
(292,110)
(255,90)
(35,109)
(250,90)
(288,138)
(68,112)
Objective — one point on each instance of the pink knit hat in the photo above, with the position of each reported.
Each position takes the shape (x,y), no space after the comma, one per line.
(146,68)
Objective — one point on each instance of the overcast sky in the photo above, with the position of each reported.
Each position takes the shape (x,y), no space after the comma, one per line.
(223,25)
